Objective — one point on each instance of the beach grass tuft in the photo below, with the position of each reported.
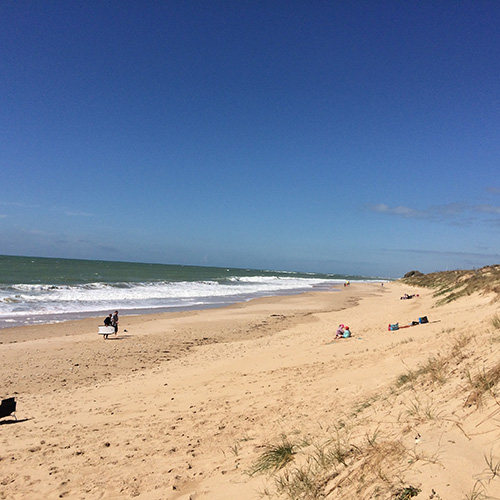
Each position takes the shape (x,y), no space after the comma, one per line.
(435,369)
(422,411)
(300,483)
(409,377)
(493,466)
(495,322)
(407,493)
(483,382)
(275,457)
(477,492)
(457,352)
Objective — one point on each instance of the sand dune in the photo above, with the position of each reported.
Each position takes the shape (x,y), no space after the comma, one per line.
(186,405)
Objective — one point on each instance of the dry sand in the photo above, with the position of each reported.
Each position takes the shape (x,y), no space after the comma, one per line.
(183,405)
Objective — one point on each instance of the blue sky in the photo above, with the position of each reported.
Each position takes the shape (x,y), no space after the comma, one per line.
(346,137)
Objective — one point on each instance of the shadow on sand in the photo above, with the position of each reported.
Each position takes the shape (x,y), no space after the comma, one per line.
(18,421)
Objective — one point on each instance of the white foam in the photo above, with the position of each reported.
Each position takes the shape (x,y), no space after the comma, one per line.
(41,299)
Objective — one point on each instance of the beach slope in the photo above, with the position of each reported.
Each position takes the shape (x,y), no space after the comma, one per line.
(258,400)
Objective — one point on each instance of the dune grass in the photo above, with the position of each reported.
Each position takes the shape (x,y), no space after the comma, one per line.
(275,457)
(495,322)
(407,493)
(484,381)
(450,285)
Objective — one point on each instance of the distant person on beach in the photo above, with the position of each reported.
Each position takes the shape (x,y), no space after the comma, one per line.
(406,296)
(115,322)
(340,332)
(347,333)
(108,320)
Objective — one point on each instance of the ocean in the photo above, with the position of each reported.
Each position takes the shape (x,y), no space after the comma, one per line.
(35,290)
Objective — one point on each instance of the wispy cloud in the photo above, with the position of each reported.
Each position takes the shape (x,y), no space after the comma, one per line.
(493,189)
(17,204)
(486,209)
(449,209)
(400,210)
(491,256)
(453,213)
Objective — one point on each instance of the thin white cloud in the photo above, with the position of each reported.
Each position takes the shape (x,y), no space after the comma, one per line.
(493,189)
(487,255)
(486,209)
(454,213)
(400,210)
(17,204)
(449,209)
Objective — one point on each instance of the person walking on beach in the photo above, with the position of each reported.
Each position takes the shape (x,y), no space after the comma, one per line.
(115,322)
(108,320)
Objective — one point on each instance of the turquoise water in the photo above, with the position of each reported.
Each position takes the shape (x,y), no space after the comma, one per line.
(37,290)
(72,271)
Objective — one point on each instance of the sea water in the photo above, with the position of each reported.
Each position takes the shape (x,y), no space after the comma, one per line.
(36,290)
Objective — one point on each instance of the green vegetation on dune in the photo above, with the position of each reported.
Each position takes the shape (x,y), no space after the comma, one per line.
(451,285)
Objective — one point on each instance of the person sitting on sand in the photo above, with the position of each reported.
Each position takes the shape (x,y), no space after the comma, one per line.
(340,332)
(347,333)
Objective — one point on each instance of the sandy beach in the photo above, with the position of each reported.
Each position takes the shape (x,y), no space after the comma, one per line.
(186,405)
